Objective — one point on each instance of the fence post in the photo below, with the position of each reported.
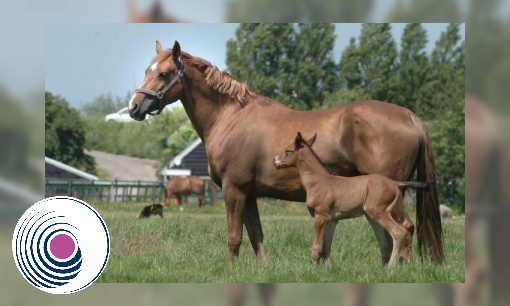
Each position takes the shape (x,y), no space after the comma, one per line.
(138,192)
(69,188)
(115,191)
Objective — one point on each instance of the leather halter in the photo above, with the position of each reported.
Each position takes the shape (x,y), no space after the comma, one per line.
(159,94)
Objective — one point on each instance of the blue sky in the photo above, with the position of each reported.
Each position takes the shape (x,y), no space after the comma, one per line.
(86,60)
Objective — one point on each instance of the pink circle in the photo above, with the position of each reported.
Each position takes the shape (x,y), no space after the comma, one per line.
(62,246)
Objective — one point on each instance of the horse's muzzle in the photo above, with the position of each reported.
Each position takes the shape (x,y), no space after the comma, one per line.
(276,162)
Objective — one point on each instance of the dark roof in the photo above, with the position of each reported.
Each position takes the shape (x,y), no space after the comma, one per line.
(194,158)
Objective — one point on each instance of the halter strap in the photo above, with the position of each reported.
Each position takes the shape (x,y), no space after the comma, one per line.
(159,94)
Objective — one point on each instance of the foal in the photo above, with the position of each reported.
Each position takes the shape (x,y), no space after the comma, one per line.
(331,198)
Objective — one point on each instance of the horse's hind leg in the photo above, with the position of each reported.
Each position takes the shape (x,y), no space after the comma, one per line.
(328,239)
(398,234)
(384,239)
(253,226)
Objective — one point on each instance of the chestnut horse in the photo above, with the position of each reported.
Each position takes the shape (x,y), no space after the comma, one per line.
(183,186)
(242,131)
(332,198)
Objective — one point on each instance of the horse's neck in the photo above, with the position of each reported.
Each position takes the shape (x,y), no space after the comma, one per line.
(310,169)
(203,105)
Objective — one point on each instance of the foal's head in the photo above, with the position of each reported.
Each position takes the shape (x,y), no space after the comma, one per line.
(162,84)
(289,157)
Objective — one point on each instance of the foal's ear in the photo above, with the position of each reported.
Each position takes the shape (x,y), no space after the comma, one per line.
(297,141)
(158,47)
(312,140)
(176,51)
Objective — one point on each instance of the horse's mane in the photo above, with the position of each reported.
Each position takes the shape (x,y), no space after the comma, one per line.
(221,81)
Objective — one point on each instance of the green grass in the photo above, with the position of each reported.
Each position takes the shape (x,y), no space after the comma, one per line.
(191,247)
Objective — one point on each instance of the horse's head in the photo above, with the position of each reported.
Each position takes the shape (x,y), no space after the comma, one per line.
(162,84)
(288,158)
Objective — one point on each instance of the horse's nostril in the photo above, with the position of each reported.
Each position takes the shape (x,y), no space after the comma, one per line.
(134,109)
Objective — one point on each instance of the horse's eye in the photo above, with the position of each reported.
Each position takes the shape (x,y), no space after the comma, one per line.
(163,75)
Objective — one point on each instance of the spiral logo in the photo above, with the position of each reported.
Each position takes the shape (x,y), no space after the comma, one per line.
(61,245)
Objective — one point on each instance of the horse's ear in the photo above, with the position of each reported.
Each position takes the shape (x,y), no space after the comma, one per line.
(158,47)
(312,140)
(176,51)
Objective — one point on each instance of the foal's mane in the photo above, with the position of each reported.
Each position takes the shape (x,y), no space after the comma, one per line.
(323,164)
(221,81)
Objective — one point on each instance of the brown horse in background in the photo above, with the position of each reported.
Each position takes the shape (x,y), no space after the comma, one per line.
(184,186)
(361,138)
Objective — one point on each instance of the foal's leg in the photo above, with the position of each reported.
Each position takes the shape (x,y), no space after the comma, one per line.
(328,239)
(254,227)
(320,220)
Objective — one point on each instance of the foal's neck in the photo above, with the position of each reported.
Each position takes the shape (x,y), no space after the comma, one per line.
(310,168)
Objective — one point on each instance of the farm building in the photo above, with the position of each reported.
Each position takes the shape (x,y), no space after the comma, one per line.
(57,170)
(191,161)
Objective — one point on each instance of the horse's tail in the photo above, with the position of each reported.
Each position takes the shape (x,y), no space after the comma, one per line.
(428,217)
(214,190)
(418,185)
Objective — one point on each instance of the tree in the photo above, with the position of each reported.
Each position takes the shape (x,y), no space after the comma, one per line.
(257,56)
(447,74)
(291,64)
(350,73)
(414,70)
(65,134)
(447,136)
(314,72)
(378,64)
(105,104)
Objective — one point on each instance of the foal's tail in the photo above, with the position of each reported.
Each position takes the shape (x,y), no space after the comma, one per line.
(427,186)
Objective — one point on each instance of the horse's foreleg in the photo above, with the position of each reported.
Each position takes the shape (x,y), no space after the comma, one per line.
(201,201)
(328,239)
(254,227)
(235,200)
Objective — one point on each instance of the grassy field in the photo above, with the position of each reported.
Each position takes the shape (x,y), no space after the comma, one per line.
(191,247)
